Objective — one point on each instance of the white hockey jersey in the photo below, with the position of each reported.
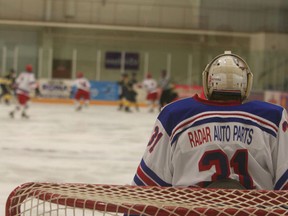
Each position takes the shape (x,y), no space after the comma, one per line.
(25,83)
(150,85)
(195,142)
(82,83)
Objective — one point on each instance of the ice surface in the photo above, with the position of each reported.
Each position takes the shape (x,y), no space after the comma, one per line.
(98,145)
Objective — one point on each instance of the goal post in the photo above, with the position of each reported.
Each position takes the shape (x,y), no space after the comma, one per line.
(72,199)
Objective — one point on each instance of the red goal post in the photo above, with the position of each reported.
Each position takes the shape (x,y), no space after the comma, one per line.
(69,199)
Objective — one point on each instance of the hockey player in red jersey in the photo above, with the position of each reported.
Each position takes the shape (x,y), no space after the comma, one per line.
(222,142)
(25,83)
(82,85)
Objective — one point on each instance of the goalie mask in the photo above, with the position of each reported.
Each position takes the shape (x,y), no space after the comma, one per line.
(227,77)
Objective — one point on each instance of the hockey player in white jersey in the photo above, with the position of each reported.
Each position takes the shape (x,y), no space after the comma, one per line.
(25,83)
(207,143)
(83,86)
(151,87)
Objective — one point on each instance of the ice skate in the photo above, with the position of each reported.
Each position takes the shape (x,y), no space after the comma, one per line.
(127,109)
(11,114)
(79,108)
(120,107)
(7,102)
(24,115)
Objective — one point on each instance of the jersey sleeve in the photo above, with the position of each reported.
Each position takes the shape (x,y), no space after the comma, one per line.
(19,78)
(32,81)
(155,167)
(88,84)
(280,155)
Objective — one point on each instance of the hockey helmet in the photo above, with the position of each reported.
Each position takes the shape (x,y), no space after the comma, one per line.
(79,74)
(148,75)
(29,68)
(227,77)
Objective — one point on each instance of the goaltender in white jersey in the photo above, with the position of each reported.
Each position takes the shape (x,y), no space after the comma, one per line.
(221,142)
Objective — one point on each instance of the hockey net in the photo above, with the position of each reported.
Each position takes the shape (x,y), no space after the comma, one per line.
(51,199)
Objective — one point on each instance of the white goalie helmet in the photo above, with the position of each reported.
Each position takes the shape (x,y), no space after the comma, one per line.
(227,77)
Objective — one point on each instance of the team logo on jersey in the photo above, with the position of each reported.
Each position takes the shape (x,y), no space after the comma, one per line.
(285,126)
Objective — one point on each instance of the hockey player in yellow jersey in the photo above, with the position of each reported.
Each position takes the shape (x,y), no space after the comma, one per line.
(6,84)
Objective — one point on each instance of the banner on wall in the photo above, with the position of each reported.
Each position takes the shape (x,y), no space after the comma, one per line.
(113,60)
(65,89)
(104,90)
(55,88)
(131,61)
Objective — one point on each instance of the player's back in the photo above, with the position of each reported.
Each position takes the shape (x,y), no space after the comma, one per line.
(82,83)
(212,141)
(25,82)
(150,85)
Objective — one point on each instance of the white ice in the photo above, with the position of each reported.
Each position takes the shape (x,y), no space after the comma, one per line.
(99,145)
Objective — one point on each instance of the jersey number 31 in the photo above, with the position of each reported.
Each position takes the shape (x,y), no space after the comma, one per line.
(218,159)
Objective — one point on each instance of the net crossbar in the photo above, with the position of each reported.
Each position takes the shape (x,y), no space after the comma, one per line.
(49,199)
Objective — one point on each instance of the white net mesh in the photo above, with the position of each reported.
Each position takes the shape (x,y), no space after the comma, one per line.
(50,199)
